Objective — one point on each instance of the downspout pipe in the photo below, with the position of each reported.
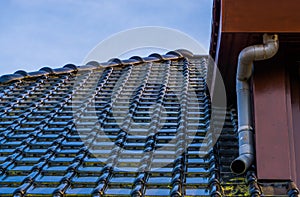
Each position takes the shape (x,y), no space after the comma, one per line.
(244,71)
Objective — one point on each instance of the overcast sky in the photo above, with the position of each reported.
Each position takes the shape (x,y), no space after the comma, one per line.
(38,33)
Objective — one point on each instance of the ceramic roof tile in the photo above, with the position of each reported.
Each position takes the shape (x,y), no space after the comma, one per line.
(98,130)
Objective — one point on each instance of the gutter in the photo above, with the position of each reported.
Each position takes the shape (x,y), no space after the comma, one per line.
(244,71)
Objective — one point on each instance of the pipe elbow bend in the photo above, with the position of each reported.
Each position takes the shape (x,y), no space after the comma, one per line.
(271,49)
(245,61)
(256,52)
(271,45)
(242,163)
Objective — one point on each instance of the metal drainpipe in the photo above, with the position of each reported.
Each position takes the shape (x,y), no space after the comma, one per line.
(244,71)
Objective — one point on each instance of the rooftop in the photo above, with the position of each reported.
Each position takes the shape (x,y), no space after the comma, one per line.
(136,127)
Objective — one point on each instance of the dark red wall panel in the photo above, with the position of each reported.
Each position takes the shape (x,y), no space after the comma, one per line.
(295,104)
(271,122)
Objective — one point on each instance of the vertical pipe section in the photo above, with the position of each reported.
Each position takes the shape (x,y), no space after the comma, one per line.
(244,71)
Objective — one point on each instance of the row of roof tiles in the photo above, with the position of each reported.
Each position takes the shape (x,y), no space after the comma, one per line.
(172,55)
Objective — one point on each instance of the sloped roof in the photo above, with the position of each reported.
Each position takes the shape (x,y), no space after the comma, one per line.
(137,127)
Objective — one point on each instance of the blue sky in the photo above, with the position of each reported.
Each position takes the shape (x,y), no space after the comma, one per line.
(38,33)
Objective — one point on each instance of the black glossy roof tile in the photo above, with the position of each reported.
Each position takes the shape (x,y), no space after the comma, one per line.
(63,131)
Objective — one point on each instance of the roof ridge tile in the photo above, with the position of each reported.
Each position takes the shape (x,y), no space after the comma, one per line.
(69,68)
